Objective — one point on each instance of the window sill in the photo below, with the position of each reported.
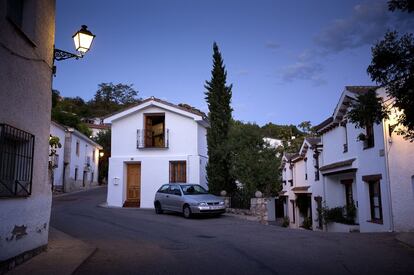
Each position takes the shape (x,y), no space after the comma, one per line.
(376,221)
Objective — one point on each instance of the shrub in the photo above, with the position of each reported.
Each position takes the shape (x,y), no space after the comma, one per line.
(286,222)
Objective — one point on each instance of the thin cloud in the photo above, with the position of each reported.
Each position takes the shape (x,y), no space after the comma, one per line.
(272,45)
(242,72)
(310,71)
(367,24)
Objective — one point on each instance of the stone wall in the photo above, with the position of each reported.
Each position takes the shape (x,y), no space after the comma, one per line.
(260,208)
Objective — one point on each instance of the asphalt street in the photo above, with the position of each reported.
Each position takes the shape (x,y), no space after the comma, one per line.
(137,241)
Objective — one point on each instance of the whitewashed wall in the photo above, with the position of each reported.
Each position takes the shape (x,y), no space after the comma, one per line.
(186,142)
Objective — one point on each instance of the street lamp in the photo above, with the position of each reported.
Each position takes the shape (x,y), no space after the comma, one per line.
(83,41)
(101,154)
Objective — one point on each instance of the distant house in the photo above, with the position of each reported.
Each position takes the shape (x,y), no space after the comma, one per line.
(27,31)
(77,161)
(96,125)
(153,143)
(301,193)
(273,142)
(371,168)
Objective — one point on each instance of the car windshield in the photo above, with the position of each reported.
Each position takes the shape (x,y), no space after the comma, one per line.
(193,189)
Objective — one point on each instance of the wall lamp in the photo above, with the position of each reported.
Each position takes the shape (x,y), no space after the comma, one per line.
(83,41)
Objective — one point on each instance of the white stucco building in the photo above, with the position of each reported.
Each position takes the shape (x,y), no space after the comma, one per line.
(77,161)
(27,32)
(153,143)
(301,181)
(96,125)
(376,174)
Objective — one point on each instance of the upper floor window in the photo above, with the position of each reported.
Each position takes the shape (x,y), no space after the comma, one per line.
(369,136)
(77,148)
(345,137)
(154,134)
(21,14)
(306,168)
(16,162)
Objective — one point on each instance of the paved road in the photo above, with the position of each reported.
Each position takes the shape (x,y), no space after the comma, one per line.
(137,241)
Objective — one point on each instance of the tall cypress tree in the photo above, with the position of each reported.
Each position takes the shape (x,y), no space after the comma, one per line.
(218,97)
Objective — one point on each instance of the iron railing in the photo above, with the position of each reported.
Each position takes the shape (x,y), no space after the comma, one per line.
(152,139)
(16,162)
(240,200)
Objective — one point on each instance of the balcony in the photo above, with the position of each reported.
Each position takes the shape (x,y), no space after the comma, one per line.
(152,139)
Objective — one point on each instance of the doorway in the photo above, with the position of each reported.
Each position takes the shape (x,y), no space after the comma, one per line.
(133,194)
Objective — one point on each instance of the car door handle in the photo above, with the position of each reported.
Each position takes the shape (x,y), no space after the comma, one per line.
(167,196)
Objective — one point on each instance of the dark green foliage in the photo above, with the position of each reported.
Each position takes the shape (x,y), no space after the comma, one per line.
(392,66)
(104,139)
(218,97)
(110,98)
(367,110)
(303,204)
(286,222)
(71,120)
(254,164)
(291,136)
(345,214)
(307,223)
(404,5)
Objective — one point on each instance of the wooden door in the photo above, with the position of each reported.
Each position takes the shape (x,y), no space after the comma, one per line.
(133,185)
(148,131)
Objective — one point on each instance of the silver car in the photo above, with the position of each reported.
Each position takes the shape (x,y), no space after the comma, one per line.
(188,199)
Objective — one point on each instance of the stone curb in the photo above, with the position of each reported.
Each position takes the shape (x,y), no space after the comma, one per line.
(406,238)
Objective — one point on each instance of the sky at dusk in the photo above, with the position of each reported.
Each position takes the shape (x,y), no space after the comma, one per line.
(288,61)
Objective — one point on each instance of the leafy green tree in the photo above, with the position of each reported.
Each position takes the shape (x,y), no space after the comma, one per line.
(305,126)
(392,67)
(404,5)
(218,97)
(254,163)
(367,110)
(111,97)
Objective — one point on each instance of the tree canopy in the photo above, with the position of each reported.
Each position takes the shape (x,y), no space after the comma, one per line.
(392,67)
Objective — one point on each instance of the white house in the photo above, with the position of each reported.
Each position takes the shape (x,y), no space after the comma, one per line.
(96,125)
(26,61)
(153,143)
(376,175)
(301,185)
(77,161)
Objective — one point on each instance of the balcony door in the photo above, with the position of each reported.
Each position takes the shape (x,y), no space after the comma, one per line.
(154,130)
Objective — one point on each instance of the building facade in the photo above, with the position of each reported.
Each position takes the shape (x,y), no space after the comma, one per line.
(153,143)
(26,54)
(368,169)
(77,162)
(302,190)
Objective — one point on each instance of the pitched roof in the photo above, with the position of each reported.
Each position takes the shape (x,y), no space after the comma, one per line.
(348,95)
(313,140)
(181,106)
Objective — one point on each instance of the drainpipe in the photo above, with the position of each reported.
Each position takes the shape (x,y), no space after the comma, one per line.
(387,148)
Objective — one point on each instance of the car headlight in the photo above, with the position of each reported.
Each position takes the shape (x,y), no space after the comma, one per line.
(202,204)
(221,203)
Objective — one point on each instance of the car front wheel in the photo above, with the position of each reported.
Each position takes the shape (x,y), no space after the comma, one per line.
(158,208)
(187,212)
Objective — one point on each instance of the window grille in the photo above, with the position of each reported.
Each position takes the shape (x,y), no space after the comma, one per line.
(16,162)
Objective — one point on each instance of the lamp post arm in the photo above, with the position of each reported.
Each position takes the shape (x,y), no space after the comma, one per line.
(62,55)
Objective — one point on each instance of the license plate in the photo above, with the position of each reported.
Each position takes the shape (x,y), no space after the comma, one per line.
(215,207)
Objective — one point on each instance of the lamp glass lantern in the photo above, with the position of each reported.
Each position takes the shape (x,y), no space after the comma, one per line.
(83,39)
